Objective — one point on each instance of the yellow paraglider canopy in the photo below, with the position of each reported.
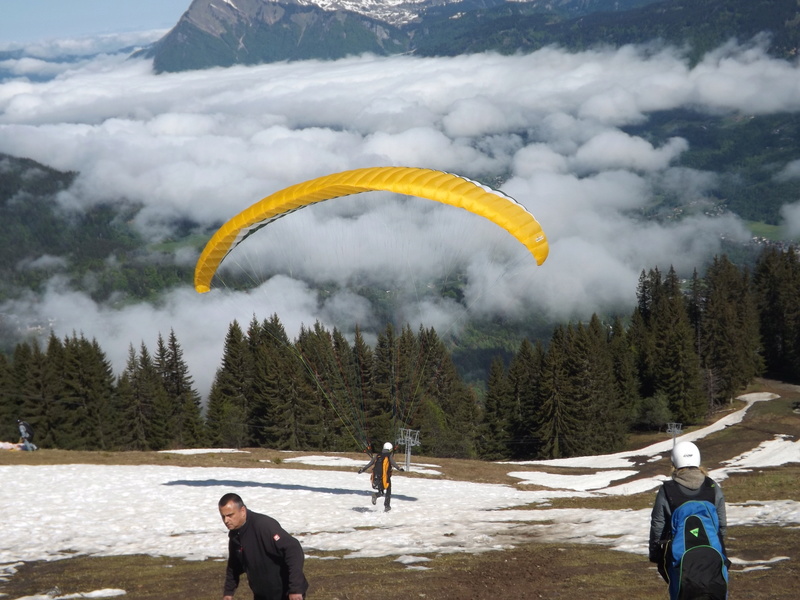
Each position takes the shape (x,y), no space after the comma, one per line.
(424,183)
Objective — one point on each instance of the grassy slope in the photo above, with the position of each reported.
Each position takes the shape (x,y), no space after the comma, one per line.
(529,571)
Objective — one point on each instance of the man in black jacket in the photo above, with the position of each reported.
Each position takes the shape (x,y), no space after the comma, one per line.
(260,547)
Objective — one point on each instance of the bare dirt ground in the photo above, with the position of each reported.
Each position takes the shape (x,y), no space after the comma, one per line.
(530,571)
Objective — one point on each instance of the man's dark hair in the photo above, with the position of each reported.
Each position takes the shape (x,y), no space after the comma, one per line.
(235,498)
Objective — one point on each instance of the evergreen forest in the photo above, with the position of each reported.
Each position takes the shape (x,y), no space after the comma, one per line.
(687,349)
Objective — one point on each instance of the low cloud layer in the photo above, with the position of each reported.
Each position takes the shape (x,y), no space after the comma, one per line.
(207,144)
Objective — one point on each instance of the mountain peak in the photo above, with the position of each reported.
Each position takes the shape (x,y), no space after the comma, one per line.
(213,33)
(215,15)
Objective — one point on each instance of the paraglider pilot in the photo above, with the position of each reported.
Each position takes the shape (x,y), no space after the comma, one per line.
(382,465)
(26,435)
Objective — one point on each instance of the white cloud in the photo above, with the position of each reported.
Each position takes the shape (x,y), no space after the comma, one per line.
(207,144)
(538,157)
(617,150)
(791,219)
(790,171)
(45,262)
(480,116)
(736,78)
(54,50)
(687,183)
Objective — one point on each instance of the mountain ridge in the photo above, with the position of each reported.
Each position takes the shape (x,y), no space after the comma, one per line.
(221,33)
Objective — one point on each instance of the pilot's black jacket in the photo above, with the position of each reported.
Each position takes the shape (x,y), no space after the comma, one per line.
(272,559)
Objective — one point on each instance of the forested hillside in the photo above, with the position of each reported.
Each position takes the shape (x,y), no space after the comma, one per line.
(688,348)
(747,152)
(97,249)
(697,25)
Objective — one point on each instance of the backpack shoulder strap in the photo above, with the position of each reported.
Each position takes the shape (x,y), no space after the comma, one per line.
(708,491)
(675,497)
(673,494)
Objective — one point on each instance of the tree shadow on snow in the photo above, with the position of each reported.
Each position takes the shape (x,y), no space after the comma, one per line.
(280,486)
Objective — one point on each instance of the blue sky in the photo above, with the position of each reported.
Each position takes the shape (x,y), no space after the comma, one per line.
(39,20)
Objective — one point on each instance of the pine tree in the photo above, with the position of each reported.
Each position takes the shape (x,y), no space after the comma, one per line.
(53,411)
(751,348)
(297,416)
(284,389)
(363,365)
(448,397)
(642,344)
(524,400)
(32,394)
(561,428)
(88,389)
(21,385)
(318,387)
(42,405)
(160,432)
(494,433)
(134,407)
(102,388)
(624,369)
(416,363)
(647,293)
(266,388)
(351,392)
(776,281)
(589,408)
(676,364)
(380,404)
(186,426)
(159,363)
(729,340)
(694,306)
(228,404)
(607,412)
(8,412)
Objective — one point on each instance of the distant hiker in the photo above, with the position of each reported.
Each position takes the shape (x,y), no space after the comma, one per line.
(260,547)
(26,435)
(382,465)
(687,530)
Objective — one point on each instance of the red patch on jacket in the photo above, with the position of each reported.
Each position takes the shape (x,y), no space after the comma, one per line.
(276,537)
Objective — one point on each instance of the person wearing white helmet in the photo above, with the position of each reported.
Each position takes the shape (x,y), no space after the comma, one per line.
(382,465)
(689,481)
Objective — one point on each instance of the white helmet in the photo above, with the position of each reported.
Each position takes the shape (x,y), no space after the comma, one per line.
(685,454)
(388,446)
